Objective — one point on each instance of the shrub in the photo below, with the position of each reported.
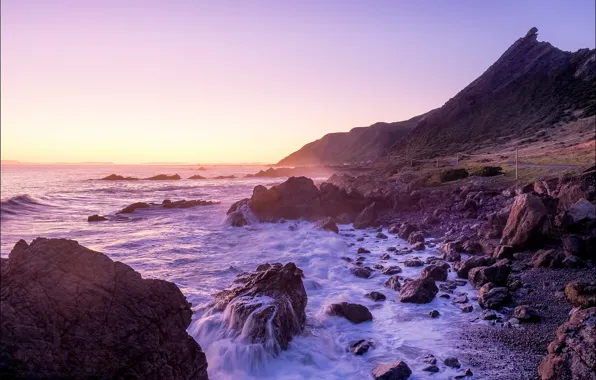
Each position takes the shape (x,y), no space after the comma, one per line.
(488,171)
(453,174)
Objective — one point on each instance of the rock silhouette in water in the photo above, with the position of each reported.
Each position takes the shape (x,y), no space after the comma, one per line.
(70,312)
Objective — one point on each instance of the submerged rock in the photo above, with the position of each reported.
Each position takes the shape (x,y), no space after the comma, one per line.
(131,208)
(361,347)
(96,218)
(353,312)
(266,306)
(69,312)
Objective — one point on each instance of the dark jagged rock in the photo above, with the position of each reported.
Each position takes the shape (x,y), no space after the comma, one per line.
(131,208)
(327,224)
(164,177)
(397,370)
(393,283)
(413,262)
(116,177)
(572,355)
(462,268)
(367,218)
(497,273)
(527,222)
(419,246)
(271,299)
(96,218)
(361,347)
(376,296)
(393,269)
(405,230)
(237,219)
(362,272)
(452,362)
(491,296)
(437,271)
(186,204)
(70,312)
(551,258)
(363,250)
(416,237)
(196,176)
(422,290)
(351,311)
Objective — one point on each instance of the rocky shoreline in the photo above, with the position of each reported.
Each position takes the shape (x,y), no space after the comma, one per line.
(518,259)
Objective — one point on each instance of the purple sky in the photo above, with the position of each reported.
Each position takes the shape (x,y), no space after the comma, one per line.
(243,81)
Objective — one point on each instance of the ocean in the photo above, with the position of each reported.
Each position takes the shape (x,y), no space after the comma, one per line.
(199,252)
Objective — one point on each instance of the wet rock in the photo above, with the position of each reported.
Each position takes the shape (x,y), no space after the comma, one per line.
(451,250)
(431,368)
(385,256)
(363,250)
(460,299)
(397,370)
(491,296)
(186,204)
(434,314)
(572,355)
(394,269)
(353,312)
(360,239)
(72,313)
(361,347)
(381,235)
(497,273)
(452,362)
(405,230)
(429,358)
(362,272)
(237,219)
(366,218)
(465,373)
(548,259)
(581,294)
(391,249)
(462,268)
(327,224)
(413,263)
(488,315)
(416,237)
(525,313)
(96,218)
(268,302)
(527,222)
(376,296)
(422,290)
(164,177)
(418,246)
(131,208)
(393,283)
(437,271)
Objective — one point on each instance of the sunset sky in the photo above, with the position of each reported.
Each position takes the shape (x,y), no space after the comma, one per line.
(243,81)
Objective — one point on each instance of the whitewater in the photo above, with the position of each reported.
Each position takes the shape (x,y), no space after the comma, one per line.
(201,254)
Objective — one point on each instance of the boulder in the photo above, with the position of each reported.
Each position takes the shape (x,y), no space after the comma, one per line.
(353,312)
(451,250)
(164,177)
(548,259)
(96,218)
(572,355)
(497,273)
(422,290)
(237,219)
(116,177)
(491,296)
(397,370)
(581,294)
(69,312)
(437,271)
(580,211)
(527,222)
(405,230)
(525,313)
(361,347)
(327,224)
(462,268)
(296,198)
(376,296)
(362,272)
(452,362)
(366,218)
(419,246)
(391,270)
(416,237)
(265,306)
(413,262)
(503,252)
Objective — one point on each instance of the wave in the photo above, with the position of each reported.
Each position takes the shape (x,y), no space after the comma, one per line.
(20,204)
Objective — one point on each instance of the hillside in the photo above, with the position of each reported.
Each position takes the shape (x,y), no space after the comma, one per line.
(357,145)
(531,87)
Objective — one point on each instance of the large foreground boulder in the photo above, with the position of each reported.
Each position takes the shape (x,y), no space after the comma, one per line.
(266,306)
(70,312)
(572,355)
(527,222)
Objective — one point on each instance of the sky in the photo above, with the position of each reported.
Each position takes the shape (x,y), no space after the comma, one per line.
(243,81)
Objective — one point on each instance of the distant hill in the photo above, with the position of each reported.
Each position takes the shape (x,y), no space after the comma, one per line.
(357,145)
(532,86)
